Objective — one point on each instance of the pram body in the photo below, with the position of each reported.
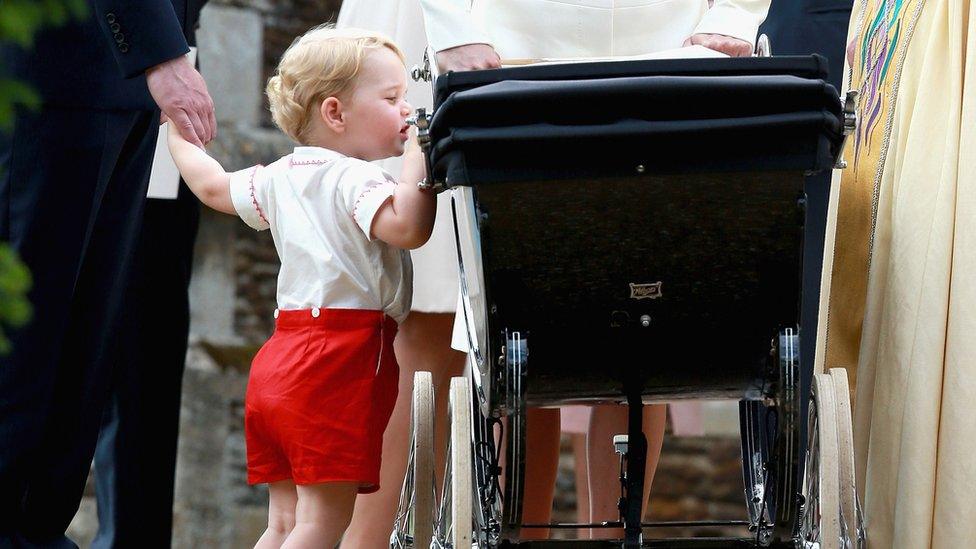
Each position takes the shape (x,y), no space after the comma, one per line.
(633,232)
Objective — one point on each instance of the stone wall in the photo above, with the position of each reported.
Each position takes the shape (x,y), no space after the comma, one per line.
(240,41)
(240,44)
(214,506)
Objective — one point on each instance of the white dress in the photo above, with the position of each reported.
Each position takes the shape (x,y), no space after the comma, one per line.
(586,28)
(435,280)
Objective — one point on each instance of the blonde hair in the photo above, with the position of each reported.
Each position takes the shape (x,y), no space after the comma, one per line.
(324,62)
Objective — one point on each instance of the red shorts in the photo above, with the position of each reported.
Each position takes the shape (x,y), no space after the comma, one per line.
(319,396)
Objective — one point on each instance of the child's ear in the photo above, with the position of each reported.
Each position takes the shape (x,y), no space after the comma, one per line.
(332,114)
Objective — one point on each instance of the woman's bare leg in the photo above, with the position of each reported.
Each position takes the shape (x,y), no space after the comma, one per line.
(323,512)
(581,468)
(606,421)
(541,467)
(423,343)
(281,514)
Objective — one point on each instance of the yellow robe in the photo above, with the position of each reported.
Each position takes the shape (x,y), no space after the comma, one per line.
(902,293)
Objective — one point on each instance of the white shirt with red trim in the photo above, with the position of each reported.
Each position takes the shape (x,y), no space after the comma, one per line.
(319,205)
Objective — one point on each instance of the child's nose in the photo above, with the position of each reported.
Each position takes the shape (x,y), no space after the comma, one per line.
(407,108)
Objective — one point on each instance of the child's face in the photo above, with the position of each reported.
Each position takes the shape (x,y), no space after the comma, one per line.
(377,112)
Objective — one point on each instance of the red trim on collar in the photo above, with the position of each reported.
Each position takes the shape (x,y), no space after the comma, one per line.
(292,162)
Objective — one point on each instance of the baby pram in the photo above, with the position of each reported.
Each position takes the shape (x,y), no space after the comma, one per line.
(634,232)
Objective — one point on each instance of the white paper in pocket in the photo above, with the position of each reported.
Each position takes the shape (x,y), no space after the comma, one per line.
(164,180)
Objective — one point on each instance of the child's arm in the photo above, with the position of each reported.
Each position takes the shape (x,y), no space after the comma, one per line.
(406,220)
(204,175)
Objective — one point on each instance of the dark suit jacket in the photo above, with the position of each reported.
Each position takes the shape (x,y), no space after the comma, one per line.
(800,27)
(99,62)
(193,8)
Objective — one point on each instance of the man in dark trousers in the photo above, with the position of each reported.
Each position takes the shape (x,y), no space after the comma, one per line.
(71,202)
(803,27)
(135,460)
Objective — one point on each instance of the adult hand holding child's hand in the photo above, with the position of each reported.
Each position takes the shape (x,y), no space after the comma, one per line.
(182,95)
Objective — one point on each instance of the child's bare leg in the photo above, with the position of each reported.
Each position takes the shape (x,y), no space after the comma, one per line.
(322,514)
(281,514)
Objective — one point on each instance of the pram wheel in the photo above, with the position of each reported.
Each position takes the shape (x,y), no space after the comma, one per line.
(853,528)
(820,525)
(414,524)
(454,524)
(770,440)
(756,454)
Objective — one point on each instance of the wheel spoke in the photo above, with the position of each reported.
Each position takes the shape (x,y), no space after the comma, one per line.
(413,525)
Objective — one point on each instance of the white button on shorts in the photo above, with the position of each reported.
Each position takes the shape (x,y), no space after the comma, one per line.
(315,312)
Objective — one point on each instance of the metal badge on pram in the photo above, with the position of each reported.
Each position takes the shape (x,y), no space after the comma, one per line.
(645,291)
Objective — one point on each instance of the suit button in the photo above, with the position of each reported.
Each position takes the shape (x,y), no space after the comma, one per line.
(110,18)
(115,27)
(119,37)
(123,47)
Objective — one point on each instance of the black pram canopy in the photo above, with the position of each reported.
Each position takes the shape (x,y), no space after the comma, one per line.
(607,118)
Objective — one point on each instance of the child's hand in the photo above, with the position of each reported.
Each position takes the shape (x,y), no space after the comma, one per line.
(413,146)
(203,175)
(406,221)
(174,136)
(413,170)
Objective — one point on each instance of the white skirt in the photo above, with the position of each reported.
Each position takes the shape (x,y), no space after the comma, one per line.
(435,270)
(586,28)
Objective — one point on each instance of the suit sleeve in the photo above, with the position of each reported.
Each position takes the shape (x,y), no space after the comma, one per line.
(736,18)
(449,24)
(141,33)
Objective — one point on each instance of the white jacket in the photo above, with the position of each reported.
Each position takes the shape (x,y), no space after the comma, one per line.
(586,28)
